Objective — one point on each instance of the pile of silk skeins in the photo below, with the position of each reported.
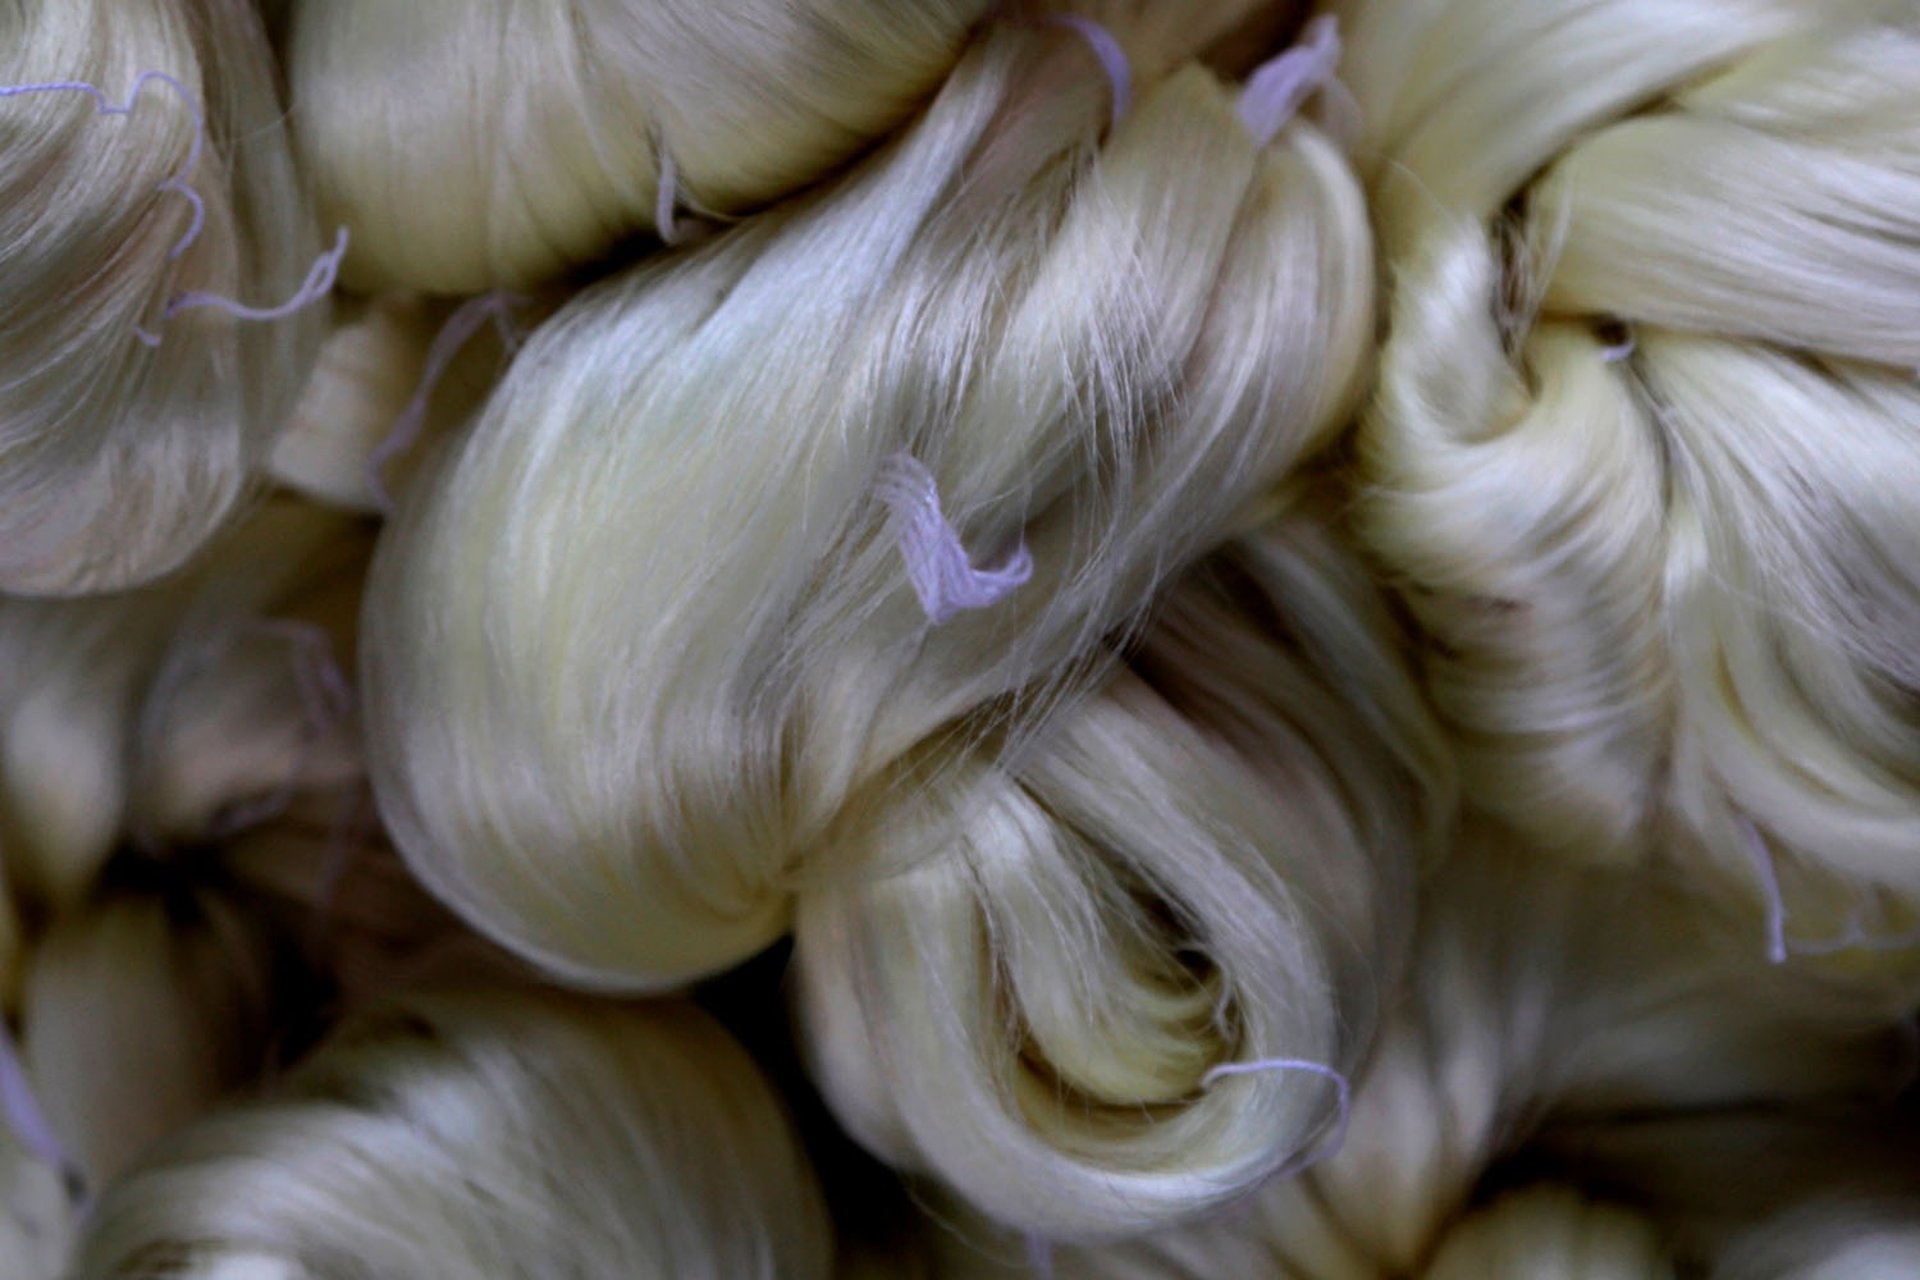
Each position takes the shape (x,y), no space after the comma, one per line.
(959,639)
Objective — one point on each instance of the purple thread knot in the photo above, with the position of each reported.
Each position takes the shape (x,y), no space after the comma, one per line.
(937,564)
(1275,93)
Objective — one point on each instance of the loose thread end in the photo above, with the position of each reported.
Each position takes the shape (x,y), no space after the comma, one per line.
(1762,857)
(320,281)
(453,337)
(1275,92)
(1111,53)
(1040,1256)
(24,1115)
(104,106)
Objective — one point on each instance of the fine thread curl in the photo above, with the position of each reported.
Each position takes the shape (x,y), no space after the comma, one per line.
(1326,1150)
(453,337)
(319,283)
(1275,93)
(937,563)
(179,184)
(1112,55)
(320,279)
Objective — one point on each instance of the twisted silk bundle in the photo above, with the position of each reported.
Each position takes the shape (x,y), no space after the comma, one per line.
(1126,987)
(660,625)
(1542,996)
(164,713)
(485,1132)
(476,144)
(141,1009)
(470,144)
(148,176)
(1648,427)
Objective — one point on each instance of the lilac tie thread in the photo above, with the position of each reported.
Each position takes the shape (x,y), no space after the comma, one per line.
(453,337)
(179,183)
(1325,1151)
(319,283)
(23,1112)
(937,564)
(1112,55)
(326,268)
(1275,93)
(1622,351)
(1779,945)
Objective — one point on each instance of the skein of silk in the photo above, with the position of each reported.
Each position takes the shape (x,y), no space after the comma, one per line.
(703,651)
(141,1010)
(119,459)
(1647,430)
(1765,1194)
(547,133)
(335,894)
(473,145)
(1540,995)
(1123,986)
(156,713)
(478,1133)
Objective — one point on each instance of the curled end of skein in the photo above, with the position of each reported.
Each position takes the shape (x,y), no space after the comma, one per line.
(1343,1097)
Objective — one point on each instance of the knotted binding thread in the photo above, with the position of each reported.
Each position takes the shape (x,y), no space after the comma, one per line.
(320,279)
(453,337)
(1112,55)
(937,563)
(1325,1150)
(1275,93)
